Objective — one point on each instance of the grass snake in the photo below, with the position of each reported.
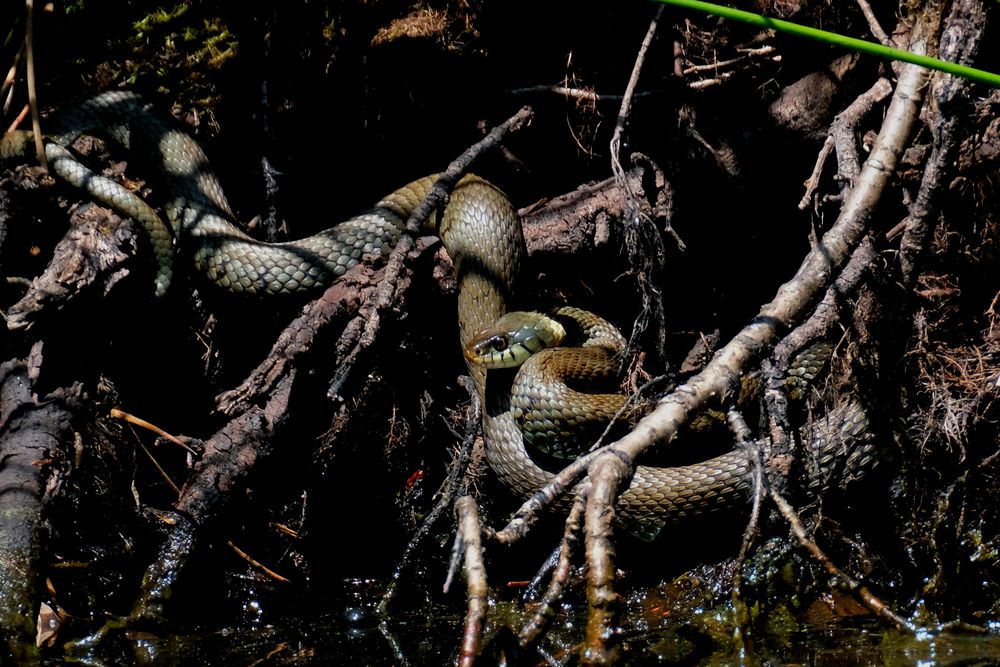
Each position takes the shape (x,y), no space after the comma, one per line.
(482,233)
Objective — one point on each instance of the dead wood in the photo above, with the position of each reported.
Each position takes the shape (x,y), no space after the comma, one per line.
(84,262)
(793,298)
(584,220)
(842,135)
(947,402)
(469,545)
(843,130)
(959,43)
(95,255)
(840,578)
(356,341)
(230,455)
(233,452)
(611,466)
(572,224)
(35,438)
(548,606)
(354,292)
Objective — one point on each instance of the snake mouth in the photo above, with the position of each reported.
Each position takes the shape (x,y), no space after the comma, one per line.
(513,339)
(493,354)
(471,356)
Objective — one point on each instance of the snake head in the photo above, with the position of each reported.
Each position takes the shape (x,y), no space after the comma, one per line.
(513,339)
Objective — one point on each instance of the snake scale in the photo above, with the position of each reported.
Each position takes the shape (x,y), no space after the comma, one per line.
(482,233)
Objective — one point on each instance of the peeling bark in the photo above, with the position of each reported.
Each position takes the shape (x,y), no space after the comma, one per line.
(959,43)
(95,254)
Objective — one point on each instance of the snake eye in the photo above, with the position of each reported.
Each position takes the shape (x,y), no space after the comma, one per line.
(499,343)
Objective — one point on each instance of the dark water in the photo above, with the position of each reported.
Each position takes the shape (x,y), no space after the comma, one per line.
(323,640)
(843,644)
(347,632)
(277,629)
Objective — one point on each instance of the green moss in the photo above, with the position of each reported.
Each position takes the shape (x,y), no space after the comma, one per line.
(158,18)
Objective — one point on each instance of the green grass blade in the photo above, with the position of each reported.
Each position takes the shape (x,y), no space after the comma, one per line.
(859,45)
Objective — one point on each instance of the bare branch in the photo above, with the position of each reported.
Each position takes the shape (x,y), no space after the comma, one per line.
(959,43)
(843,130)
(873,24)
(547,608)
(599,647)
(616,137)
(36,124)
(794,297)
(812,183)
(387,289)
(475,576)
(850,584)
(790,304)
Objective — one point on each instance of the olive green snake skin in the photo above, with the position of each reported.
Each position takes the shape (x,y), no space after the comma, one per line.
(481,232)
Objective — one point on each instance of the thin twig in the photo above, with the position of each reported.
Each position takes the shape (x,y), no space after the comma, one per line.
(269,222)
(643,240)
(550,563)
(812,183)
(629,404)
(256,563)
(623,113)
(36,123)
(846,581)
(873,23)
(548,606)
(449,488)
(702,84)
(8,82)
(616,137)
(142,423)
(163,473)
(582,94)
(17,121)
(747,54)
(744,439)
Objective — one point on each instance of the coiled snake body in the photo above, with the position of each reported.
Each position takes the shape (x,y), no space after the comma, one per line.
(481,232)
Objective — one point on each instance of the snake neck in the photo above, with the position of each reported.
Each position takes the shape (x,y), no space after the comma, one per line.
(482,233)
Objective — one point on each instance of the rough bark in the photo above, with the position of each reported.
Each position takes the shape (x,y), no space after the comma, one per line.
(35,433)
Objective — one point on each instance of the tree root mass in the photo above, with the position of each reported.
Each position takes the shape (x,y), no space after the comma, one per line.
(334,422)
